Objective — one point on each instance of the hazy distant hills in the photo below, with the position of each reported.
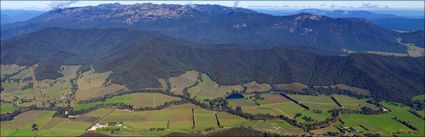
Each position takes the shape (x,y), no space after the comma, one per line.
(388,21)
(12,16)
(138,58)
(213,24)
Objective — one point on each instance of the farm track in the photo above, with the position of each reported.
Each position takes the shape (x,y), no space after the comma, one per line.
(34,80)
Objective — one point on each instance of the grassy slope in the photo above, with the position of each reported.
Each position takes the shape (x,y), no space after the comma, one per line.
(92,85)
(13,88)
(9,69)
(186,79)
(208,89)
(254,86)
(42,91)
(6,107)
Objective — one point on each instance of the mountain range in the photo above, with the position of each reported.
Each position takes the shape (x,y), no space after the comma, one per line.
(12,16)
(139,58)
(385,20)
(213,24)
(142,43)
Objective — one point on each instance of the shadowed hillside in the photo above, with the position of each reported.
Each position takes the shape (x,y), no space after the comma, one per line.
(213,24)
(137,59)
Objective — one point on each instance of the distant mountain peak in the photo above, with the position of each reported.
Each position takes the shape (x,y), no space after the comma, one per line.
(218,9)
(130,14)
(127,14)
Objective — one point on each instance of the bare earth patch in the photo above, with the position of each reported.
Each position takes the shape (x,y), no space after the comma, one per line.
(274,98)
(353,89)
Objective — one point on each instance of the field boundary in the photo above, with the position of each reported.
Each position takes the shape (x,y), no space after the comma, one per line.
(295,101)
(218,121)
(336,102)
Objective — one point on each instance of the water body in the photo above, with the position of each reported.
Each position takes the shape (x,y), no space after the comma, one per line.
(235,96)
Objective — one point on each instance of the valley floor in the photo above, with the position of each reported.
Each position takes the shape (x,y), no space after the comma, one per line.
(192,103)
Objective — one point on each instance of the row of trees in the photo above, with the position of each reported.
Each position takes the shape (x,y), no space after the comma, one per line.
(17,111)
(416,114)
(295,101)
(315,91)
(417,104)
(406,123)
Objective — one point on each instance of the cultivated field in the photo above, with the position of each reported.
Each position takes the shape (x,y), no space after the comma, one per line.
(6,107)
(353,103)
(383,123)
(175,118)
(138,100)
(275,104)
(241,102)
(180,118)
(47,125)
(320,102)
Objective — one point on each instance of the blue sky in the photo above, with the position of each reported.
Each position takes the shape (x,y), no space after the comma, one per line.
(375,5)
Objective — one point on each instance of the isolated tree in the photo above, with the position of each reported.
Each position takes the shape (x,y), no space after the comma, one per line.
(297,115)
(34,127)
(366,110)
(257,96)
(238,109)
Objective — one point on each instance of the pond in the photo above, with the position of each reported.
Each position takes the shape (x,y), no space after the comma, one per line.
(235,96)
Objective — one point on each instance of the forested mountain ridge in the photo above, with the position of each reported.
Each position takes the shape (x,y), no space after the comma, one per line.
(213,24)
(139,58)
